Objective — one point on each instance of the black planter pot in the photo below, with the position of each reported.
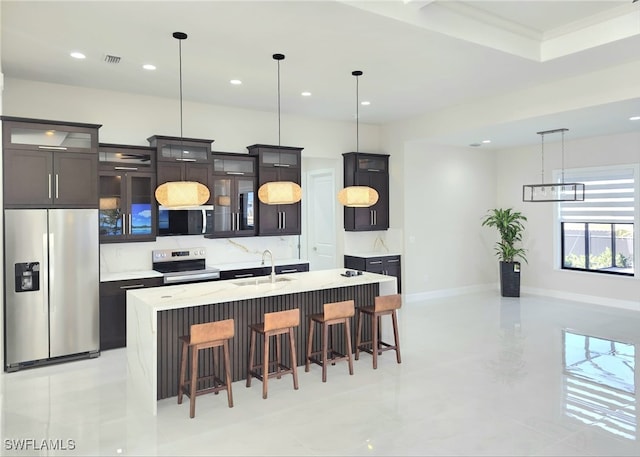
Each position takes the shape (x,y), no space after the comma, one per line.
(510,279)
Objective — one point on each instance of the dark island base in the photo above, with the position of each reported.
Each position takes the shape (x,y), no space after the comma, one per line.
(175,323)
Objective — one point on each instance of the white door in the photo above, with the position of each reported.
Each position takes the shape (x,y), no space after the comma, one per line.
(321,221)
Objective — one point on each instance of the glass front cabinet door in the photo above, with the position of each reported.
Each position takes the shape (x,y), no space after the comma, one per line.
(127,186)
(234,194)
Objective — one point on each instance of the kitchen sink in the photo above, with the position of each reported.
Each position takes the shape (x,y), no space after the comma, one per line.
(261,280)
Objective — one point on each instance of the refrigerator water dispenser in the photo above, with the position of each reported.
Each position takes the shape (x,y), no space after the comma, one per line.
(27,276)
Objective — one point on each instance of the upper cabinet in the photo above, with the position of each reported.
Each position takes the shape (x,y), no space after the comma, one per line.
(278,163)
(234,195)
(49,164)
(183,159)
(372,170)
(127,186)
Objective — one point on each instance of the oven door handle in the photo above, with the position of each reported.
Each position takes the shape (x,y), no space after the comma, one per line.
(190,277)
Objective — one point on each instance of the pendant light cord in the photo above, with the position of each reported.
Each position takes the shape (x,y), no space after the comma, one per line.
(279,103)
(180,60)
(357,73)
(278,58)
(180,36)
(357,116)
(542,157)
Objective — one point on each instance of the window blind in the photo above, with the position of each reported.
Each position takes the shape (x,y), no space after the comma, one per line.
(610,195)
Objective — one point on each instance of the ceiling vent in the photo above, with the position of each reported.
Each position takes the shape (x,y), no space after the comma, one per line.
(111,59)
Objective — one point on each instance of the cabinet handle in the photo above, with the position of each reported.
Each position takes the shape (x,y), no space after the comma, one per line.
(132,286)
(185,160)
(293,270)
(129,224)
(284,220)
(377,262)
(279,220)
(123,223)
(237,221)
(56,185)
(370,217)
(241,173)
(285,165)
(244,275)
(375,217)
(126,168)
(56,148)
(374,169)
(393,261)
(233,221)
(49,185)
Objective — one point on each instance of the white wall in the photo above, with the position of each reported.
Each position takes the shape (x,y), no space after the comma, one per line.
(516,167)
(448,191)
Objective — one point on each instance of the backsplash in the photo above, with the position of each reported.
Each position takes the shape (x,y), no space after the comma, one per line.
(123,257)
(384,242)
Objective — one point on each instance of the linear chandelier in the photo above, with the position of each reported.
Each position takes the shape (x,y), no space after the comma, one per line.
(553,192)
(279,192)
(358,196)
(177,194)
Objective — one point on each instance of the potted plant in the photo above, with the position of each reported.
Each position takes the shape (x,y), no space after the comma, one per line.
(510,226)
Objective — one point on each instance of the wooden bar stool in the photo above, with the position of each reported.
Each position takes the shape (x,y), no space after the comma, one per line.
(383,306)
(334,313)
(275,324)
(205,336)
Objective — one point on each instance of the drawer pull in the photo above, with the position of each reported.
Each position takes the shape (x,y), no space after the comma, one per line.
(245,275)
(294,270)
(132,286)
(377,262)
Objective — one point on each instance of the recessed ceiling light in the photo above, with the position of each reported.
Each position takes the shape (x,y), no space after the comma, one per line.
(235,82)
(365,103)
(306,94)
(634,118)
(486,141)
(77,55)
(148,66)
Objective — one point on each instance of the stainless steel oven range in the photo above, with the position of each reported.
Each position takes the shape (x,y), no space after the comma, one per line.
(183,265)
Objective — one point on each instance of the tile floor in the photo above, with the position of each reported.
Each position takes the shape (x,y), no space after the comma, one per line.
(481,375)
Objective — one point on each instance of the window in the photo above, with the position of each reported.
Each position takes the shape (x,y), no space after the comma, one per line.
(597,234)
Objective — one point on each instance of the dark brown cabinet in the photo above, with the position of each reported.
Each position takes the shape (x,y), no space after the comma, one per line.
(234,195)
(278,163)
(183,159)
(49,164)
(113,310)
(264,271)
(128,211)
(384,265)
(372,170)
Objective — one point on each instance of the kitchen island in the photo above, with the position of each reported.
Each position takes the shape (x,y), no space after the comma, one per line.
(157,316)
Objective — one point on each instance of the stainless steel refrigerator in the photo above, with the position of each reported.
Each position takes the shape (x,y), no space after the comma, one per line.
(51,285)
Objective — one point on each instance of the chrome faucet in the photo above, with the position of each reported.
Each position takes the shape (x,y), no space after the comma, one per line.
(273,268)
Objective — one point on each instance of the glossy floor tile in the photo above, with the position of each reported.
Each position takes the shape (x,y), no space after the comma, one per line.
(480,375)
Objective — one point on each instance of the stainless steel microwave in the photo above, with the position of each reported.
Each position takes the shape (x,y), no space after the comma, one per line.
(197,220)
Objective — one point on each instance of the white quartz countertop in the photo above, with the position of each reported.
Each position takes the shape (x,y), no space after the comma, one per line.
(372,254)
(256,264)
(128,275)
(141,274)
(195,294)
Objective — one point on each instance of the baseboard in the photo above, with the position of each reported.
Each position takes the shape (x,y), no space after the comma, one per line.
(633,305)
(591,299)
(443,293)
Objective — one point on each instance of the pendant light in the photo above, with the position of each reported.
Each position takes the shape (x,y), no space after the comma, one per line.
(178,194)
(358,196)
(279,192)
(552,192)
